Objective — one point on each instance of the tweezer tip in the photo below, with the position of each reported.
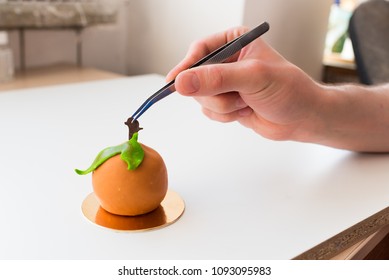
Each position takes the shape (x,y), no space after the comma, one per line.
(131,120)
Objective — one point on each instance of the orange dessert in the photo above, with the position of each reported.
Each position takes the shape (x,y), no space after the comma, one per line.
(129,179)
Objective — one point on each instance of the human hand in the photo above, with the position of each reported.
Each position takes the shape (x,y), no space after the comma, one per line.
(256,87)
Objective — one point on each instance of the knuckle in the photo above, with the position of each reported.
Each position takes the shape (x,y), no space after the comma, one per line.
(255,66)
(215,79)
(198,47)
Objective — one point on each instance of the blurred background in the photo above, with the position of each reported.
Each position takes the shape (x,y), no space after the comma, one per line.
(133,37)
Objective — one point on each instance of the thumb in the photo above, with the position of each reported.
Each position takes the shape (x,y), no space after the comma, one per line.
(209,80)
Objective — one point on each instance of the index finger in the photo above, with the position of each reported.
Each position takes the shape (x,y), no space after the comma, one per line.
(201,48)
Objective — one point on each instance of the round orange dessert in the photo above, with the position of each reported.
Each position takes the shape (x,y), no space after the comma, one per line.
(131,192)
(129,179)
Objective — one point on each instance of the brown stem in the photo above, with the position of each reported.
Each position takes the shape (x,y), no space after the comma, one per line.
(133,126)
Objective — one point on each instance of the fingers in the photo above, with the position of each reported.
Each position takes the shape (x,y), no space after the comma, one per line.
(201,48)
(226,107)
(219,87)
(241,114)
(223,103)
(196,51)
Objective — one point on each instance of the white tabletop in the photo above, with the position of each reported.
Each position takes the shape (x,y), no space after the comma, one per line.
(246,197)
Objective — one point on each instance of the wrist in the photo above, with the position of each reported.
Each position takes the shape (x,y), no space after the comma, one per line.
(314,123)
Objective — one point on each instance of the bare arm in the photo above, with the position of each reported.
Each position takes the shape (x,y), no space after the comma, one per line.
(353,117)
(265,92)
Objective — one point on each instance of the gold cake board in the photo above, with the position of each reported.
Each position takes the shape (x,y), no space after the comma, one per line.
(168,212)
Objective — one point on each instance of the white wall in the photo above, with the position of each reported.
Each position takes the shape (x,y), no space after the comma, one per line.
(297,29)
(163,30)
(105,47)
(160,32)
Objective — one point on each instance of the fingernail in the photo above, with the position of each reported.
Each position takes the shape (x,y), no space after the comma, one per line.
(190,82)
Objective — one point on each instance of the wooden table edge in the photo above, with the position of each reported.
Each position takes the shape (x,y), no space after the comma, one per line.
(357,235)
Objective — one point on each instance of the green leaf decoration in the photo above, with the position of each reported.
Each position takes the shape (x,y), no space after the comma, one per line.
(131,152)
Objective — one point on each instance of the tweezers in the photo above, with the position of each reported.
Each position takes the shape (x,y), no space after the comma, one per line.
(217,56)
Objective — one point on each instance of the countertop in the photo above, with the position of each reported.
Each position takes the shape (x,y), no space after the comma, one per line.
(246,197)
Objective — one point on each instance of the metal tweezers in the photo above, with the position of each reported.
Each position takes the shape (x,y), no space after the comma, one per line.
(217,56)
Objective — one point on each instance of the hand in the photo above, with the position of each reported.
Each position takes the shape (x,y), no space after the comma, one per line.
(257,87)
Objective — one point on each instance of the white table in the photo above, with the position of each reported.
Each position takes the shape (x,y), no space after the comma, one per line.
(246,197)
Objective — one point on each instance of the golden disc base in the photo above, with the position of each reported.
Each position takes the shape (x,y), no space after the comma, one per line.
(169,211)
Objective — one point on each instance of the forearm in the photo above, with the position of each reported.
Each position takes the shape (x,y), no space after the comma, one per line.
(352,117)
